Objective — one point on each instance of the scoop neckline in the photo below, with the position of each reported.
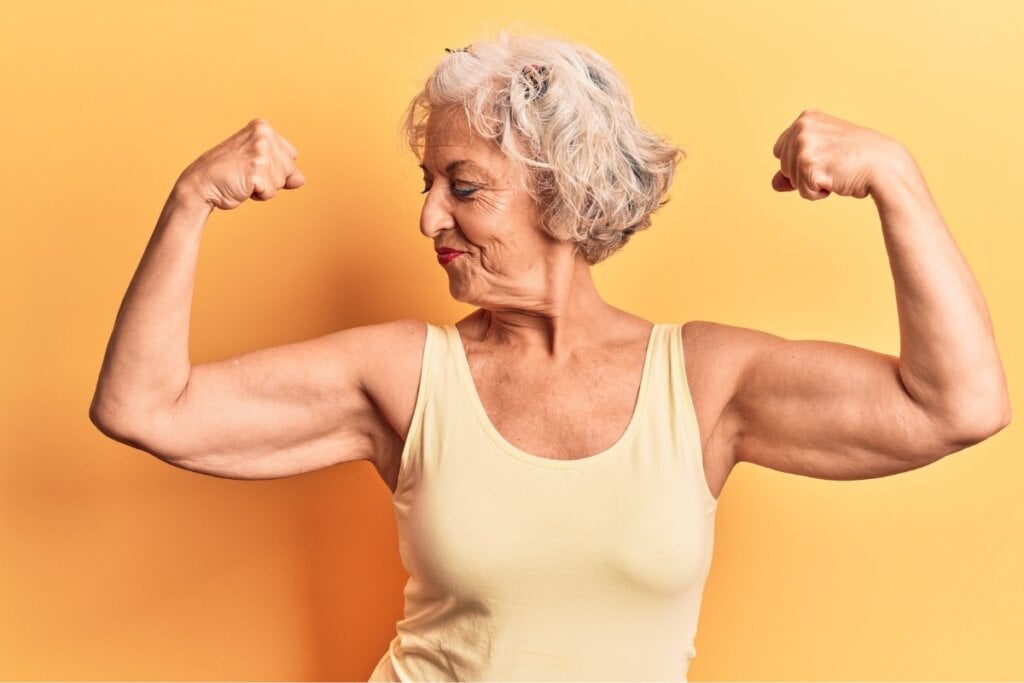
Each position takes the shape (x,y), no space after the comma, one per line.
(462,361)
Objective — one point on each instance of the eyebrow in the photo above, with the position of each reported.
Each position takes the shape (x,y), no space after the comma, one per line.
(457,165)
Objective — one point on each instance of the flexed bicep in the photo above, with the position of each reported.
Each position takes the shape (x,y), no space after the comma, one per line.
(827,410)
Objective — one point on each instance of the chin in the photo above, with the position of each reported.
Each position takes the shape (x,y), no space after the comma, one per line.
(460,294)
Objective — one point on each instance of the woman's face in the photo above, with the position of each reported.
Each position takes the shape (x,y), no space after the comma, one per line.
(476,203)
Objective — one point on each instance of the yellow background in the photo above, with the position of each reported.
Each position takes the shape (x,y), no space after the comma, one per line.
(118,566)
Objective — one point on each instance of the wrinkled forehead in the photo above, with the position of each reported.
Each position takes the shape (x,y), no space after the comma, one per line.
(447,125)
(448,134)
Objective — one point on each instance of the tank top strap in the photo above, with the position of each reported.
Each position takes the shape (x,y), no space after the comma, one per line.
(684,414)
(443,415)
(410,467)
(660,370)
(675,372)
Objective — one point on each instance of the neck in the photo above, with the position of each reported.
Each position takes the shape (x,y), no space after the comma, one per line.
(568,316)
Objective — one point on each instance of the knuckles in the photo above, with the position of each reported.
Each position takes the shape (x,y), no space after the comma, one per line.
(260,125)
(255,159)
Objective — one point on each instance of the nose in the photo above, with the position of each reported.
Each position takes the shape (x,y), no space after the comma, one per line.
(436,214)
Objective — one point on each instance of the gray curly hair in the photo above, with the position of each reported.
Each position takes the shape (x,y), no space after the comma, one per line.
(562,110)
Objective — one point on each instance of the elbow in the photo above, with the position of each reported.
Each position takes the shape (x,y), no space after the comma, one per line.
(111,423)
(118,424)
(1001,415)
(1006,416)
(103,418)
(977,425)
(107,410)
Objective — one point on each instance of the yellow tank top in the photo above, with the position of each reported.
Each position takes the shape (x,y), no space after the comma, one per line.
(523,567)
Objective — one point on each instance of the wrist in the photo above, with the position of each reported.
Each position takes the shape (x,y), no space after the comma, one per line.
(186,197)
(897,178)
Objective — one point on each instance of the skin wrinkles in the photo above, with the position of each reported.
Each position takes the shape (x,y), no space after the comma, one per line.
(461,168)
(537,294)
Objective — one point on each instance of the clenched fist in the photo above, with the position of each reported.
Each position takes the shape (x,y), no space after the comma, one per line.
(820,154)
(254,163)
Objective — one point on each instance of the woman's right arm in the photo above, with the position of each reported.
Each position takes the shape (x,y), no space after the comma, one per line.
(146,366)
(268,413)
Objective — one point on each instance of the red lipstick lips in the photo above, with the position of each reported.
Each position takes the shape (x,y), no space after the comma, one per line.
(446,255)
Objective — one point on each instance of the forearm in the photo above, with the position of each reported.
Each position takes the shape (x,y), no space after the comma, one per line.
(948,356)
(146,365)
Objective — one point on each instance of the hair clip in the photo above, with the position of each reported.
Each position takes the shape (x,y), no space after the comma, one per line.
(537,75)
(458,49)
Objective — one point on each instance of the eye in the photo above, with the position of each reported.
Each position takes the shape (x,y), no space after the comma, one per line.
(463,190)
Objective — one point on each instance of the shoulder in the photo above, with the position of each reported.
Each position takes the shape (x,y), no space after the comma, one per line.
(723,353)
(717,356)
(391,360)
(712,359)
(395,336)
(725,345)
(390,351)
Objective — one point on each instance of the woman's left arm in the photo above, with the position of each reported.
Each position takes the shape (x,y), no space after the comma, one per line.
(948,356)
(835,411)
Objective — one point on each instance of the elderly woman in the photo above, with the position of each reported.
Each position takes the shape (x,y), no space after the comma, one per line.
(555,462)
